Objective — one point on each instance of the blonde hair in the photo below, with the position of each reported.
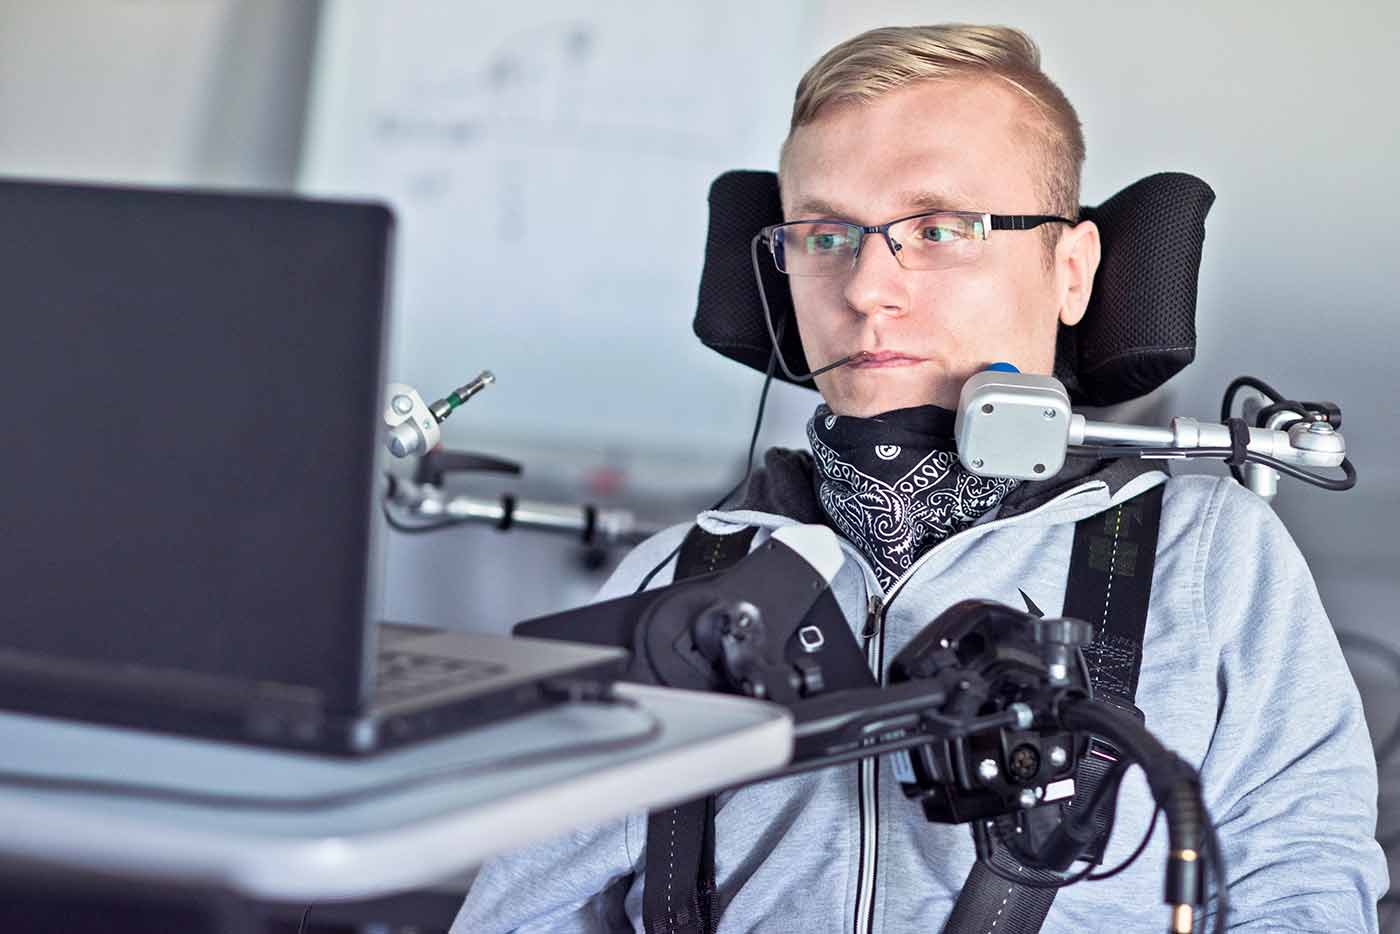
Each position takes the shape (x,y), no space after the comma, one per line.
(882,60)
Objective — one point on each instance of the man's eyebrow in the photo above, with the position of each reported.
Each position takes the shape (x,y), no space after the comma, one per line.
(911,202)
(933,200)
(816,207)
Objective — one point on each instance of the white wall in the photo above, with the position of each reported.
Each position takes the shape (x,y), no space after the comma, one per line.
(1284,111)
(200,92)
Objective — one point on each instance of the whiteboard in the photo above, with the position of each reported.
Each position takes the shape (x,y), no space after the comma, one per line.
(487,124)
(548,164)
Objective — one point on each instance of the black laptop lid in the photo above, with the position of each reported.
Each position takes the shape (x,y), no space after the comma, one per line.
(191,385)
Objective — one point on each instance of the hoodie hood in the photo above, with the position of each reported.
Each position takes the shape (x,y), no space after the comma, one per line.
(784,484)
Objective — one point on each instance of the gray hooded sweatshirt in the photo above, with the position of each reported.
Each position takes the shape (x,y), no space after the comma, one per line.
(1241,674)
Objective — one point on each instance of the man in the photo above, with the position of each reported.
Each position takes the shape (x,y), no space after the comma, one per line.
(1241,671)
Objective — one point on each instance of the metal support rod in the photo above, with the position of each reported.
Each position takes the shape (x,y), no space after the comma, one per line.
(1082,431)
(1263,480)
(1309,445)
(608,526)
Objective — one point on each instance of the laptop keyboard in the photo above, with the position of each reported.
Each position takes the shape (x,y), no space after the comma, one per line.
(402,675)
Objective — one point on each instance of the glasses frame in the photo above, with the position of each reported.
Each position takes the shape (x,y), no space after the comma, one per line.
(990,222)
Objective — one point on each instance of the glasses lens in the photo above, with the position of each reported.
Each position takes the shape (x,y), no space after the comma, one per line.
(815,248)
(937,241)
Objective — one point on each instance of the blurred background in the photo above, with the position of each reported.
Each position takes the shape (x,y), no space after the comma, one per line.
(548,164)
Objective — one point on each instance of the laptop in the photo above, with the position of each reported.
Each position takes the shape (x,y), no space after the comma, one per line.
(192,385)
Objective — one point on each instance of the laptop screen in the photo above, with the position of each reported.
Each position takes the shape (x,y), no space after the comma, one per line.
(192,388)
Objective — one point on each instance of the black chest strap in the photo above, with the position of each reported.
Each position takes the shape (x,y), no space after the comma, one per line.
(679,888)
(1109,583)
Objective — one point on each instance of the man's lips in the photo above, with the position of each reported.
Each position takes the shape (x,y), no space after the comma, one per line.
(884,358)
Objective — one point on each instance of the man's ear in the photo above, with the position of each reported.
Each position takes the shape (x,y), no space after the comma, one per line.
(1076,261)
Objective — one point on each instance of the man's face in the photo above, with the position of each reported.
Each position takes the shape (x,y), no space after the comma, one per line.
(954,145)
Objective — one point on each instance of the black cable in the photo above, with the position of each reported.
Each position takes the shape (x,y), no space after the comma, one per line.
(1279,404)
(773,359)
(753,437)
(1110,451)
(748,465)
(1288,470)
(1141,848)
(661,564)
(1110,784)
(1236,384)
(336,799)
(775,336)
(1175,785)
(1037,883)
(1107,452)
(301,928)
(1228,403)
(1217,868)
(1261,418)
(1108,787)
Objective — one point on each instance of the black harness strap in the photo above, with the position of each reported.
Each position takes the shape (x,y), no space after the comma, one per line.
(679,887)
(1109,584)
(991,904)
(1110,580)
(704,553)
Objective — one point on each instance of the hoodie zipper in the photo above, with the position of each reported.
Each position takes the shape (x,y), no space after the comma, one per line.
(868,777)
(874,635)
(868,784)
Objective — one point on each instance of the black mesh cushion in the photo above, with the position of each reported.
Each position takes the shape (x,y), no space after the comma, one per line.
(1139,329)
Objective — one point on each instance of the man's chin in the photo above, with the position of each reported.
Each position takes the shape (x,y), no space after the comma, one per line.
(878,403)
(863,402)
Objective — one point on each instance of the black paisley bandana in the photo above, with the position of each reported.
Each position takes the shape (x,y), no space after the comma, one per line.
(892,484)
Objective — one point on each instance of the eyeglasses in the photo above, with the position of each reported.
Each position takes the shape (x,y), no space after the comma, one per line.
(936,240)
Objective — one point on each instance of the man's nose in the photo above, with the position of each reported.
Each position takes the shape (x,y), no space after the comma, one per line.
(877,284)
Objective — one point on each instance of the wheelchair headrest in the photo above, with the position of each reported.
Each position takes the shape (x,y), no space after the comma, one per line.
(1138,332)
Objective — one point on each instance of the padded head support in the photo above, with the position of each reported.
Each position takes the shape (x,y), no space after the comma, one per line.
(1138,332)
